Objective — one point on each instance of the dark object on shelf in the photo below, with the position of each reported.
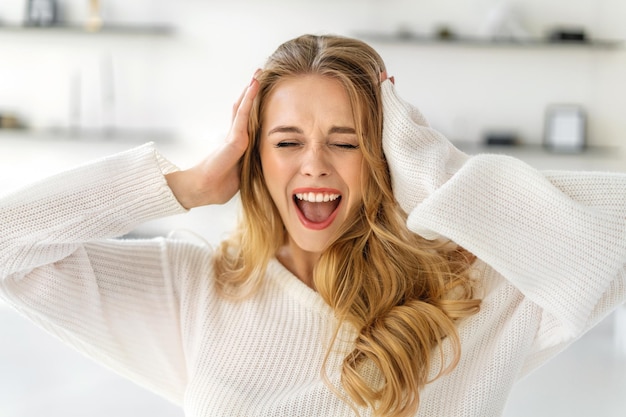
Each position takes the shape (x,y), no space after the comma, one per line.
(568,35)
(41,13)
(565,128)
(445,33)
(501,139)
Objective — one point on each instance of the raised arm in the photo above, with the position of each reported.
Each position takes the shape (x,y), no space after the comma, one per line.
(111,299)
(558,237)
(118,301)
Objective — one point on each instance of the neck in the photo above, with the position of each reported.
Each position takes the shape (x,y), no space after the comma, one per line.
(299,262)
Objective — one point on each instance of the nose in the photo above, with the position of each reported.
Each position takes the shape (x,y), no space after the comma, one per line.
(315,162)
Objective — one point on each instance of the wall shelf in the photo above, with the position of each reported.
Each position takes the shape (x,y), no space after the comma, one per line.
(537,149)
(107,29)
(408,39)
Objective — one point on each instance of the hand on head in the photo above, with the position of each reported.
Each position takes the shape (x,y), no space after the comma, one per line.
(215,180)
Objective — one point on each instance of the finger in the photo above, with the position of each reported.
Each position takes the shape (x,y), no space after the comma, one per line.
(238,135)
(237,104)
(242,96)
(242,113)
(383,77)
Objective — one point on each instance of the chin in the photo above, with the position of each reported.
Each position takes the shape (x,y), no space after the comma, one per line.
(312,247)
(312,244)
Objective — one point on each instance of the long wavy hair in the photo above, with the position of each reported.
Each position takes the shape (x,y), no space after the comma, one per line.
(403,294)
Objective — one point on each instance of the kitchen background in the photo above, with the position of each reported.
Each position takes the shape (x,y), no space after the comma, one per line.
(107,75)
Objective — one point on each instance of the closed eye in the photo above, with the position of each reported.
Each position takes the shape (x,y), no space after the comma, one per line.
(346,146)
(287,144)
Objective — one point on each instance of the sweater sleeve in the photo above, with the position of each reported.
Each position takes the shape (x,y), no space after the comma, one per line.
(113,300)
(559,237)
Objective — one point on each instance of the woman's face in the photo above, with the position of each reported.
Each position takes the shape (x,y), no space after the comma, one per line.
(311,158)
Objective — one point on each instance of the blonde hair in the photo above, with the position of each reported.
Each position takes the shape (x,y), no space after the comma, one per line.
(403,294)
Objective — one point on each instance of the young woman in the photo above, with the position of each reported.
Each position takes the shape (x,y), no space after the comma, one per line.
(376,269)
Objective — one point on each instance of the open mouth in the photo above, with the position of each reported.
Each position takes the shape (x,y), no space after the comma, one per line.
(317,209)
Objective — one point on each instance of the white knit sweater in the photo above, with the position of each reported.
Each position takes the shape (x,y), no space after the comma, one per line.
(552,250)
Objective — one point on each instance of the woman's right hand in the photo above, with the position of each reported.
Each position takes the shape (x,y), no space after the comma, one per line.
(215,180)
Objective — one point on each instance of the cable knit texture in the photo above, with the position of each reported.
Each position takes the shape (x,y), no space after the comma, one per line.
(551,249)
(420,158)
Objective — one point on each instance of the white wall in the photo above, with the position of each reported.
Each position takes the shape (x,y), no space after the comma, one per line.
(188,82)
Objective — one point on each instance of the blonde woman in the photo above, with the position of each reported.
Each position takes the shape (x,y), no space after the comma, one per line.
(376,270)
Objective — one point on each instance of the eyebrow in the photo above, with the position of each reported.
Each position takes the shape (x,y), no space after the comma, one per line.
(294,129)
(285,129)
(342,129)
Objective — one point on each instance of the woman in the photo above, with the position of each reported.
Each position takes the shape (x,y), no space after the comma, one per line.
(344,290)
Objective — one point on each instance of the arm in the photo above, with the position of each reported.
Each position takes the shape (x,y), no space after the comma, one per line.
(110,299)
(117,301)
(558,237)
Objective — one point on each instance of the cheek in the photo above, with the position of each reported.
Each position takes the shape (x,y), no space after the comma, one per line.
(272,163)
(267,165)
(353,173)
(275,175)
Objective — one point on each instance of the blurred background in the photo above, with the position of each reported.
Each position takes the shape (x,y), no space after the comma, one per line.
(80,79)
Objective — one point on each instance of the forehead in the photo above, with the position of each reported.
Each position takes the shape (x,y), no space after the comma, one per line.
(308,99)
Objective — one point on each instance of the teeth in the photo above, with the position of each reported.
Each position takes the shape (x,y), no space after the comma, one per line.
(317,197)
